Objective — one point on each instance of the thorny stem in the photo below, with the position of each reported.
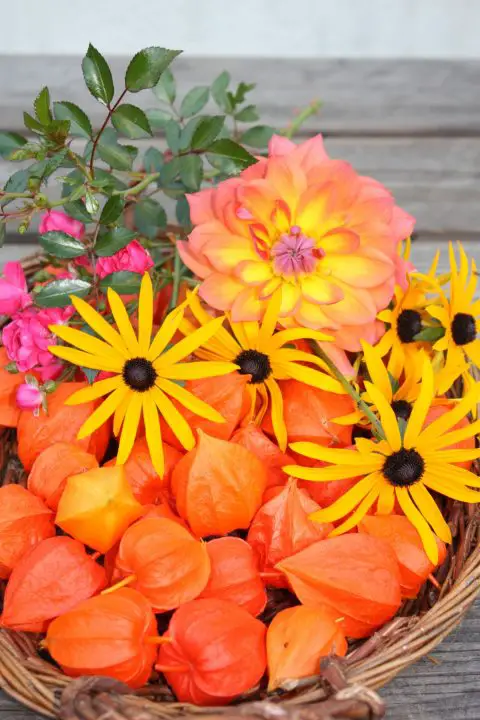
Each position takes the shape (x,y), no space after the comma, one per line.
(111,110)
(136,189)
(301,118)
(361,404)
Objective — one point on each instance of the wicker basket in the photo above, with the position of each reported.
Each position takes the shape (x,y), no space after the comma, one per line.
(344,687)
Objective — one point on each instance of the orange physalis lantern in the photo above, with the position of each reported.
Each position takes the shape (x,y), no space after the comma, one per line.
(298,638)
(147,486)
(326,493)
(218,486)
(282,527)
(53,467)
(403,538)
(97,507)
(255,440)
(234,574)
(9,384)
(112,635)
(50,580)
(216,652)
(61,424)
(357,575)
(163,510)
(164,562)
(24,522)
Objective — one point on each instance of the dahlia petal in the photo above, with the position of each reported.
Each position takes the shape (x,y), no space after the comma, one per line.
(259,197)
(349,337)
(254,272)
(310,153)
(255,171)
(225,193)
(340,240)
(227,252)
(280,145)
(313,208)
(310,315)
(365,269)
(247,306)
(268,290)
(220,291)
(321,291)
(288,181)
(201,206)
(357,306)
(291,295)
(195,263)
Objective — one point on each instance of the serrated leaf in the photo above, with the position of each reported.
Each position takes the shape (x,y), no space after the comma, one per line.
(191,171)
(157,118)
(247,114)
(3,232)
(18,182)
(58,131)
(91,203)
(77,210)
(150,217)
(147,66)
(119,157)
(112,209)
(207,131)
(258,136)
(219,90)
(233,151)
(166,90)
(188,131)
(33,124)
(169,172)
(172,135)
(58,292)
(124,282)
(97,75)
(42,107)
(61,245)
(152,160)
(9,142)
(56,161)
(182,213)
(80,124)
(194,101)
(113,240)
(129,120)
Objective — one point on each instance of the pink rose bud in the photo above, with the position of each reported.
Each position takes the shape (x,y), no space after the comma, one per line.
(133,258)
(13,289)
(29,397)
(56,220)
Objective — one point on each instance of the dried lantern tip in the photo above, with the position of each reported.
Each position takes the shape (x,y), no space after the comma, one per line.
(122,583)
(434,582)
(158,640)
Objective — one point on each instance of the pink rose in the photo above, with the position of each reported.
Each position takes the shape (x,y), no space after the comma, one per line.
(13,289)
(56,220)
(27,338)
(29,397)
(133,257)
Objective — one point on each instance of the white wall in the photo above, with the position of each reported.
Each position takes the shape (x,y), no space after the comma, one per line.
(286,28)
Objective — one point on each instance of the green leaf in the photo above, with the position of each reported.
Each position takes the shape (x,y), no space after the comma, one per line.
(169,172)
(147,66)
(98,76)
(233,151)
(119,157)
(191,171)
(9,142)
(219,90)
(124,282)
(188,131)
(90,374)
(61,245)
(112,209)
(42,107)
(207,131)
(3,232)
(430,334)
(165,90)
(158,118)
(58,292)
(172,135)
(194,101)
(113,240)
(152,160)
(241,92)
(58,131)
(131,121)
(257,136)
(91,203)
(182,212)
(33,124)
(18,182)
(248,114)
(77,210)
(150,217)
(79,121)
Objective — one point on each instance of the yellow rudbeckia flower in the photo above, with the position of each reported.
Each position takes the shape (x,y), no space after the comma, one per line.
(257,350)
(144,370)
(410,461)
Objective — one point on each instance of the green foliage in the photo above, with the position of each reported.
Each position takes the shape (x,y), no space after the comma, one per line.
(125,283)
(112,241)
(112,210)
(59,292)
(79,121)
(61,245)
(147,67)
(149,217)
(9,142)
(98,76)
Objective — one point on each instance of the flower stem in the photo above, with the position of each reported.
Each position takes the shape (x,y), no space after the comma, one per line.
(177,266)
(123,583)
(348,387)
(301,118)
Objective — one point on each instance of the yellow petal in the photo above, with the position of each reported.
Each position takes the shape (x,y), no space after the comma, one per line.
(195,370)
(387,416)
(386,500)
(130,427)
(456,436)
(97,390)
(309,376)
(94,362)
(337,456)
(189,344)
(350,419)
(153,434)
(123,323)
(177,423)
(278,422)
(440,426)
(289,336)
(417,519)
(119,415)
(98,323)
(145,314)
(243,336)
(85,341)
(358,514)
(377,371)
(325,474)
(451,490)
(223,341)
(454,474)
(451,456)
(103,412)
(270,320)
(291,355)
(165,333)
(349,500)
(190,401)
(421,406)
(430,511)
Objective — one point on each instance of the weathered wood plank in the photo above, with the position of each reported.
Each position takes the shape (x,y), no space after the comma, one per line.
(361,97)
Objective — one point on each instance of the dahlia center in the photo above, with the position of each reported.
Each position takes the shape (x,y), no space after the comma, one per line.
(402,409)
(463,328)
(254,363)
(295,253)
(409,324)
(139,374)
(403,468)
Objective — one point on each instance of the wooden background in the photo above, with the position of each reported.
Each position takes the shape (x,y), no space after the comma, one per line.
(415,126)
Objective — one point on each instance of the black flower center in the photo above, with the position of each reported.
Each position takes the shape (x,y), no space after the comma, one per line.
(409,323)
(139,374)
(254,363)
(403,468)
(464,329)
(402,409)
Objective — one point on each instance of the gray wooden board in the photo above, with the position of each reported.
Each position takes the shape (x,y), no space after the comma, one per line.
(401,97)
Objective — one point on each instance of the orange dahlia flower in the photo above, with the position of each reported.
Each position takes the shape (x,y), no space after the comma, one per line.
(297,219)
